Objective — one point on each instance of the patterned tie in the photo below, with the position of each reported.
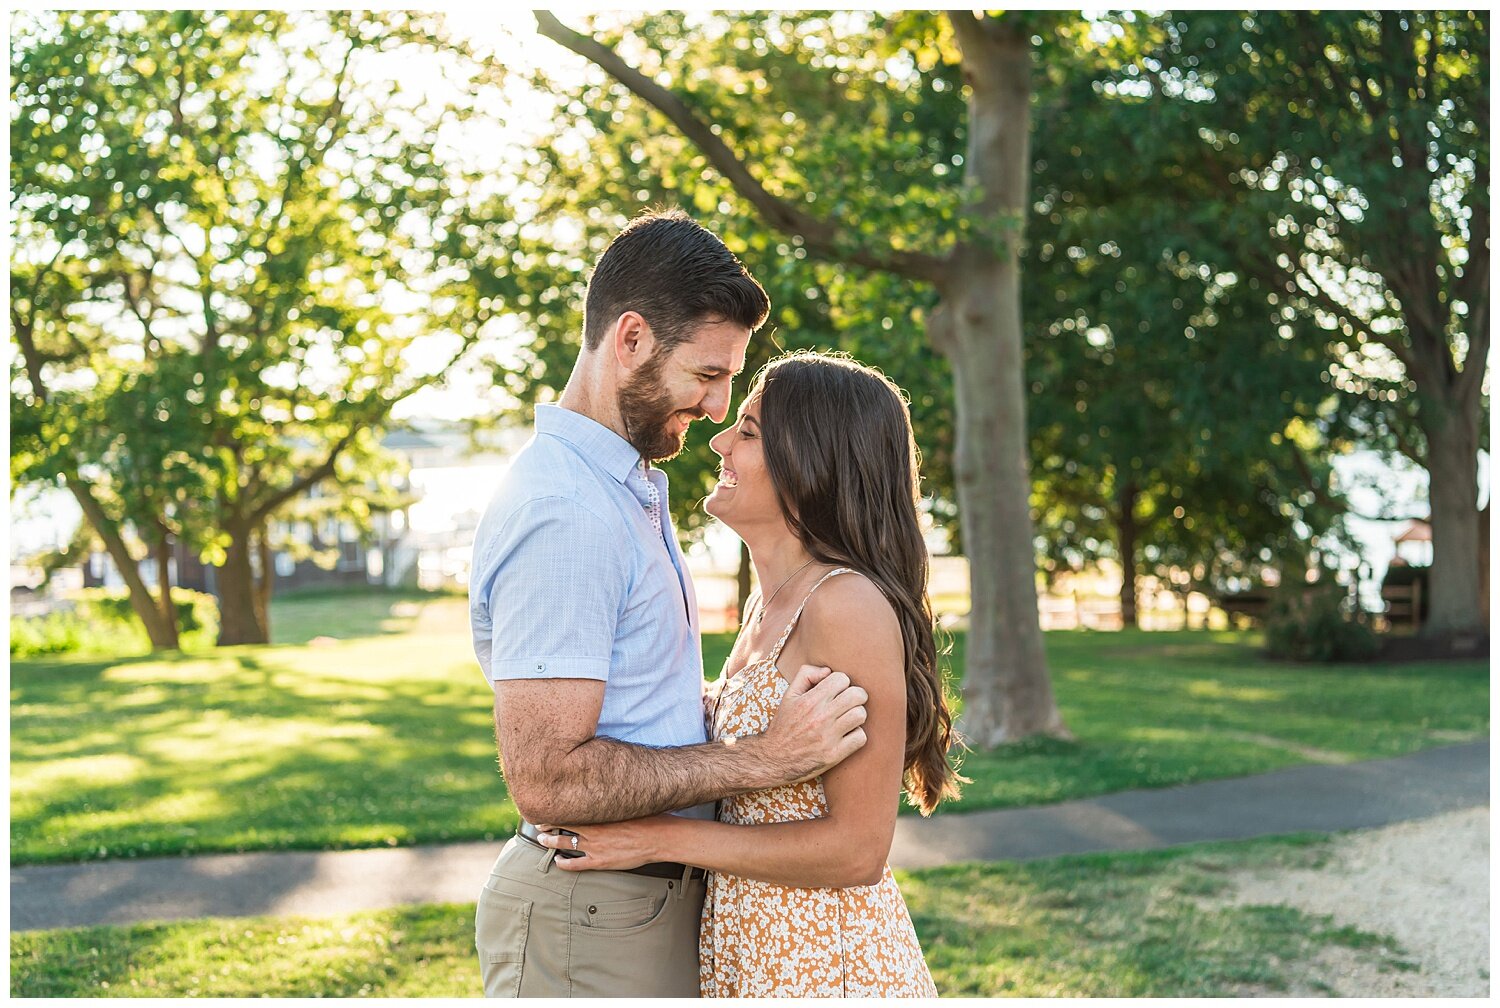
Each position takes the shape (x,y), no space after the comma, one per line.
(650,499)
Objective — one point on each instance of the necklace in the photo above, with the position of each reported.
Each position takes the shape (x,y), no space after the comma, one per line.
(767,603)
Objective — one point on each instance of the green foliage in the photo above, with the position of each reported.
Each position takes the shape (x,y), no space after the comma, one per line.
(61,632)
(229,262)
(1318,623)
(1145,339)
(101,621)
(197,612)
(1162,396)
(611,155)
(1360,139)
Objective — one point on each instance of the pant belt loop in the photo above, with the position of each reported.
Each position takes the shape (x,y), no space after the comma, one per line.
(547,860)
(682,883)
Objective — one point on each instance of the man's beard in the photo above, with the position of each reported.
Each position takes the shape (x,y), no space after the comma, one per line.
(645,411)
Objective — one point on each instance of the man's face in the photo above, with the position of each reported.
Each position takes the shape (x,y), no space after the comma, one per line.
(674,388)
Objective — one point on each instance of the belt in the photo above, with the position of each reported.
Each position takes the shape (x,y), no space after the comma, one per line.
(656,869)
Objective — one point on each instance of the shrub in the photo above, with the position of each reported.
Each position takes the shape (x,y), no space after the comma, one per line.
(197,612)
(57,632)
(101,620)
(1318,622)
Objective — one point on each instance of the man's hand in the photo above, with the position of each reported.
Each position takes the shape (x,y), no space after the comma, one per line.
(817,725)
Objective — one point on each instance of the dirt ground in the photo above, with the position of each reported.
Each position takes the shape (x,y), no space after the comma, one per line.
(1424,884)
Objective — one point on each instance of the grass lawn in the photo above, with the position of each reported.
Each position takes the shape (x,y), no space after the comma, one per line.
(1123,925)
(384,736)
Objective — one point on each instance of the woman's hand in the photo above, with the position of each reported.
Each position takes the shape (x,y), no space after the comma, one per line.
(608,846)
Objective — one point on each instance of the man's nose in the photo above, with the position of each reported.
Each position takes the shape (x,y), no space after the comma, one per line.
(716,402)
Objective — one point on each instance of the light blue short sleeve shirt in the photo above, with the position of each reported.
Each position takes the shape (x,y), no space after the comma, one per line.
(570,580)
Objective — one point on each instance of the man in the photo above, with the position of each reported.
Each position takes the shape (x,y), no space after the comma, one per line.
(585,623)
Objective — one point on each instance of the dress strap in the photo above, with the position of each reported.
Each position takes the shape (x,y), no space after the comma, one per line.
(775,654)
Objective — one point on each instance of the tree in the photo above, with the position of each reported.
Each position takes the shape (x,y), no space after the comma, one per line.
(816,182)
(619,156)
(1173,428)
(1362,135)
(235,241)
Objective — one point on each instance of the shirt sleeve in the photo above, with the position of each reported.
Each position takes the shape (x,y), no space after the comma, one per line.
(557,581)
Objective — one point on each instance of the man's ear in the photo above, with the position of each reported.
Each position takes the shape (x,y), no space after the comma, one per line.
(633,341)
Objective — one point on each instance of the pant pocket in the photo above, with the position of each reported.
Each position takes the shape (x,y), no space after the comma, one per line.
(648,948)
(618,915)
(501,925)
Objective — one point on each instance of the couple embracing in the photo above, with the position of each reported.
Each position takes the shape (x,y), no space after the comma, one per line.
(679,837)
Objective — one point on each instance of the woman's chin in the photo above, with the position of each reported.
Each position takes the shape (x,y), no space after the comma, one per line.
(716,506)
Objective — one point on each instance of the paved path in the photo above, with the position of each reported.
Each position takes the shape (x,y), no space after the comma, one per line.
(1317,798)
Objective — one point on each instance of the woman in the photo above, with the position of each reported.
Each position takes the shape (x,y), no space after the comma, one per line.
(820,480)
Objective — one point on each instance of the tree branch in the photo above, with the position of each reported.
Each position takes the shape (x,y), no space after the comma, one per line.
(1405,446)
(308,479)
(820,235)
(1391,341)
(1473,288)
(30,356)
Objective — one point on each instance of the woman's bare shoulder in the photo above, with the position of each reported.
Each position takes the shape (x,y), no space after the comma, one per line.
(850,618)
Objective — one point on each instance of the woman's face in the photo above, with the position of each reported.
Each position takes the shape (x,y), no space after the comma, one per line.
(744,496)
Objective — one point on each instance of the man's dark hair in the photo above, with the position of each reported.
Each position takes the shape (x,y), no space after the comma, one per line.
(675,273)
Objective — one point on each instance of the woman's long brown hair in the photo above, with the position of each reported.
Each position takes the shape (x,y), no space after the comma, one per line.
(839,448)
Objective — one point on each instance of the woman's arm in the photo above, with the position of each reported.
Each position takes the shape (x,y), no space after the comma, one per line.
(849,626)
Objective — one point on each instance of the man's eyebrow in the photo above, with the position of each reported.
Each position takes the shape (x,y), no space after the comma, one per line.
(714,370)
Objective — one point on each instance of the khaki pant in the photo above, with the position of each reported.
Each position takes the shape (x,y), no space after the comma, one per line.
(545,932)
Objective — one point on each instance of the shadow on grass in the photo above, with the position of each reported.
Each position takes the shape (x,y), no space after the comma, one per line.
(424,951)
(390,742)
(247,752)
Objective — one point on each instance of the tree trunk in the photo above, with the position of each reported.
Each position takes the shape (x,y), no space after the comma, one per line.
(742,582)
(1453,492)
(265,579)
(1128,530)
(239,620)
(161,632)
(1484,559)
(1007,692)
(164,583)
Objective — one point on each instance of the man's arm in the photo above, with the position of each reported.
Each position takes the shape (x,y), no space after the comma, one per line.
(558,770)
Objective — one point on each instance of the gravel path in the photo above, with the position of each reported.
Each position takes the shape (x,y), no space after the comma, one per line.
(1423,883)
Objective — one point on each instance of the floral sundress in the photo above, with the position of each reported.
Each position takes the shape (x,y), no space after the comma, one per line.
(758,939)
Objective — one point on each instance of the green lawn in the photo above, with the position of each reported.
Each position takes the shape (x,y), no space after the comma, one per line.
(1124,925)
(384,736)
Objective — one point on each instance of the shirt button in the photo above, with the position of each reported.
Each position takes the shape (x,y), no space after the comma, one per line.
(541,666)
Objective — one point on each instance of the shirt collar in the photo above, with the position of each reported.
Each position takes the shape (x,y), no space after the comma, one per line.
(597,442)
